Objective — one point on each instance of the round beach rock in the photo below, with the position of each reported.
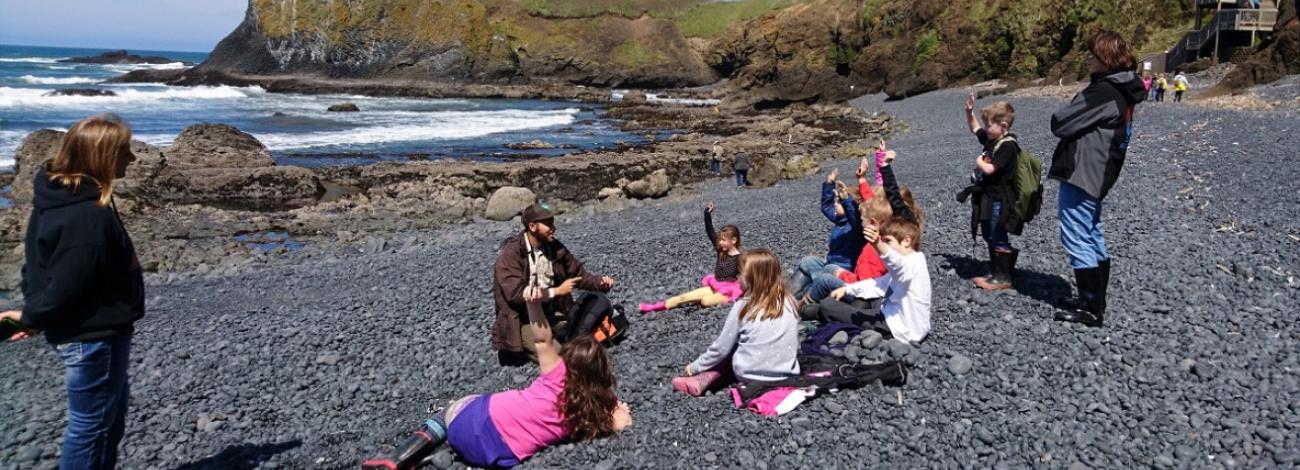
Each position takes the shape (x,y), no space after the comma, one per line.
(507,201)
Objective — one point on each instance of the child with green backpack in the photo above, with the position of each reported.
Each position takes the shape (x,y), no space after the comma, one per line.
(1003,185)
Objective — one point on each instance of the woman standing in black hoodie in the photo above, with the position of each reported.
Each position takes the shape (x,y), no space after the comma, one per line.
(1095,129)
(83,285)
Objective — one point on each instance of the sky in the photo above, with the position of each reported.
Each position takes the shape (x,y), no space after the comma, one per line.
(160,25)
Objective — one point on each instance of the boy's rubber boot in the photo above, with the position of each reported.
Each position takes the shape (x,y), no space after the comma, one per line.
(414,449)
(1093,295)
(1000,265)
(1076,302)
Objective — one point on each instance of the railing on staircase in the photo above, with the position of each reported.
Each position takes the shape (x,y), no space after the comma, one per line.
(1255,19)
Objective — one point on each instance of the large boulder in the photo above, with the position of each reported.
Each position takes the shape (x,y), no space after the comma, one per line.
(766,171)
(507,202)
(217,146)
(654,185)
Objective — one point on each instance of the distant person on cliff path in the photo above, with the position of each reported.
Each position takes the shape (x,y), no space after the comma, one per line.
(742,169)
(1095,130)
(1180,86)
(83,285)
(534,258)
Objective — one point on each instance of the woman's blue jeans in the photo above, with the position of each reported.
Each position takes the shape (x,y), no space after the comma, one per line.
(98,392)
(1081,233)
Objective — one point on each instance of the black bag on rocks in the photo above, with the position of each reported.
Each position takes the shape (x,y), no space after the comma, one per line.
(593,314)
(830,373)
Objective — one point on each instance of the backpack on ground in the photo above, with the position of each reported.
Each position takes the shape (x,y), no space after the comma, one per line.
(1027,185)
(593,314)
(823,373)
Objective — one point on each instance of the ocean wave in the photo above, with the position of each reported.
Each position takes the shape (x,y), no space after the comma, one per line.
(438,126)
(57,80)
(33,97)
(6,163)
(134,67)
(33,60)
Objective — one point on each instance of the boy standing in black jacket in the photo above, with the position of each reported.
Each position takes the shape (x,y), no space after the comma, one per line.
(994,180)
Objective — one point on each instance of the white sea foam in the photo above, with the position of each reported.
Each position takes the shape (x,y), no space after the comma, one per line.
(33,97)
(436,126)
(33,60)
(133,67)
(57,80)
(6,163)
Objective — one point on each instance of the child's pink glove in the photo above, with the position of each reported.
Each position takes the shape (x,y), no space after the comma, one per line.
(880,161)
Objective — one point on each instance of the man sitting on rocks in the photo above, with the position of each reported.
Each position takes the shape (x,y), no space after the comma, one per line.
(534,258)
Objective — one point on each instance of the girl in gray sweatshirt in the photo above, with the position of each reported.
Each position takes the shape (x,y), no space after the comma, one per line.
(760,337)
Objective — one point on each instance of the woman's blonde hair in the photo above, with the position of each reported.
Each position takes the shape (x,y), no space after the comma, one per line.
(760,270)
(91,149)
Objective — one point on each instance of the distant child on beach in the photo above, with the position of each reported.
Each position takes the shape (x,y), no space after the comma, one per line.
(572,399)
(760,338)
(905,313)
(723,285)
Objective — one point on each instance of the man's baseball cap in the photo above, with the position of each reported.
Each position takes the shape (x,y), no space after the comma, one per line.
(537,212)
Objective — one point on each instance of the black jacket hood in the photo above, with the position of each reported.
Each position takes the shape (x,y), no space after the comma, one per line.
(49,194)
(1129,85)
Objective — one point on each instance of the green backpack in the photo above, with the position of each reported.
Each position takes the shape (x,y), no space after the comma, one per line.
(1028,185)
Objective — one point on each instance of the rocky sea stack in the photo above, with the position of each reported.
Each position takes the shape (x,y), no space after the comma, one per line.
(119,57)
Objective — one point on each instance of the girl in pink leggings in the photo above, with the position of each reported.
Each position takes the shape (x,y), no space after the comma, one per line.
(572,399)
(723,286)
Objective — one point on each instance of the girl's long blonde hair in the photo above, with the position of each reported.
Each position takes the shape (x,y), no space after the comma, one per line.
(91,149)
(760,272)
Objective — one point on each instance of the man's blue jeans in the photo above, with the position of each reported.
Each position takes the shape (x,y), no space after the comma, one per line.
(994,233)
(1081,233)
(742,177)
(98,391)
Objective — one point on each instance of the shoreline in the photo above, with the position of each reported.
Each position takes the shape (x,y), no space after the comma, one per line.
(186,219)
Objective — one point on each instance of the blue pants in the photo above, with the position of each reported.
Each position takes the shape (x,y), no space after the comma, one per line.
(1081,233)
(801,280)
(742,177)
(98,391)
(822,284)
(715,167)
(994,233)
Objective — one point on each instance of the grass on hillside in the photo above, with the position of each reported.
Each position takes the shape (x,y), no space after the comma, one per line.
(629,8)
(711,19)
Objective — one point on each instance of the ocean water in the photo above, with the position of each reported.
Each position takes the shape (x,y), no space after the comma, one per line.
(296,128)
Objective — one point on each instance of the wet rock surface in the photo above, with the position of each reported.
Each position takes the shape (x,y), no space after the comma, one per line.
(320,358)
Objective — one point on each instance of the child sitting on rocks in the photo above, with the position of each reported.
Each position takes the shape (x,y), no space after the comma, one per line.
(906,311)
(874,206)
(573,398)
(845,241)
(723,285)
(760,338)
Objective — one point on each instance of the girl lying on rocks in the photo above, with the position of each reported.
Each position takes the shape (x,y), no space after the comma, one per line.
(760,338)
(572,399)
(720,287)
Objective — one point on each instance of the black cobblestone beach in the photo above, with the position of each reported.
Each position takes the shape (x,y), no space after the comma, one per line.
(325,361)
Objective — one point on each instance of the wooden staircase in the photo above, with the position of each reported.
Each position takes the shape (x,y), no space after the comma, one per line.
(1234,24)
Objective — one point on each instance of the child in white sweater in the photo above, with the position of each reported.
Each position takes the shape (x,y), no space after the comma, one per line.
(906,310)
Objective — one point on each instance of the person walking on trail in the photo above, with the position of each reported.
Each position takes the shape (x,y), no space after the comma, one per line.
(1162,84)
(534,258)
(741,165)
(715,159)
(83,285)
(1180,86)
(1095,129)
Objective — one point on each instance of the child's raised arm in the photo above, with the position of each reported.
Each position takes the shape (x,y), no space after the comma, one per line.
(547,355)
(708,225)
(970,115)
